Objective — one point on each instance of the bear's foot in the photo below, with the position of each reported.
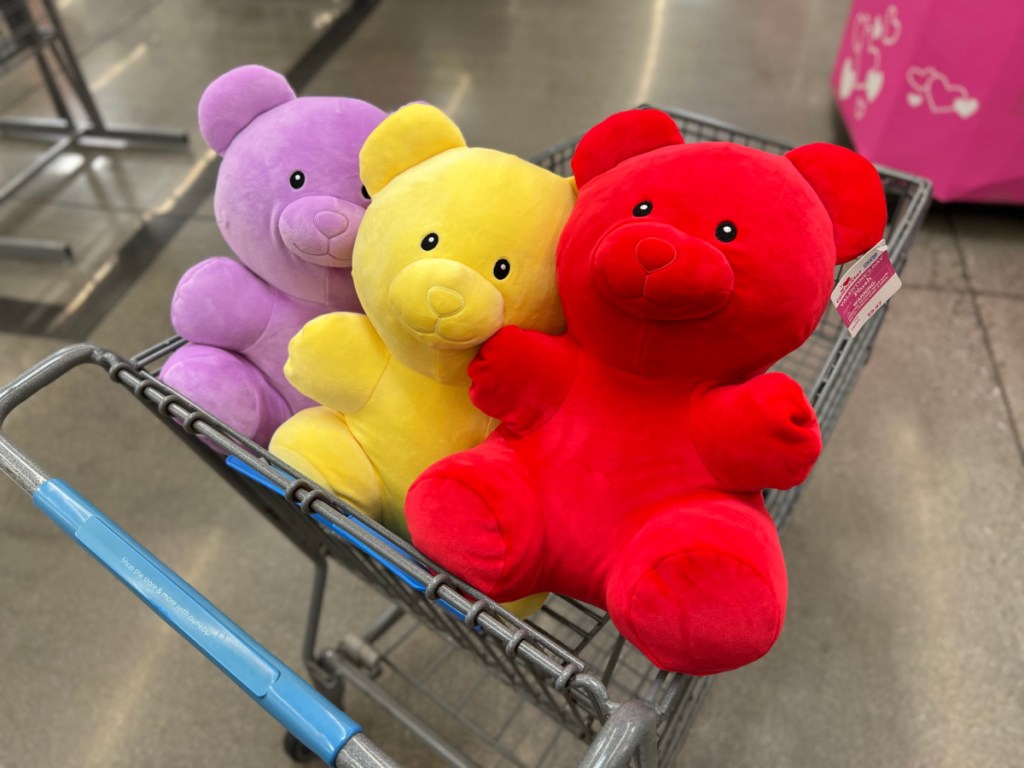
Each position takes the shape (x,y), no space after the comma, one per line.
(229,387)
(474,514)
(317,443)
(702,588)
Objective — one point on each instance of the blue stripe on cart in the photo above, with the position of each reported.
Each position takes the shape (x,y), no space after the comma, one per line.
(244,469)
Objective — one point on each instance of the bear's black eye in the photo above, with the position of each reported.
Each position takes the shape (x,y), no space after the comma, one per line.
(726,232)
(429,242)
(297,180)
(365,193)
(502,268)
(643,209)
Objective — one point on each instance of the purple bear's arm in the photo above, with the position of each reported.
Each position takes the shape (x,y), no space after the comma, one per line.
(221,303)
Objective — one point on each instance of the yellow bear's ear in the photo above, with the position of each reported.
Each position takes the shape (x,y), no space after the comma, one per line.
(406,138)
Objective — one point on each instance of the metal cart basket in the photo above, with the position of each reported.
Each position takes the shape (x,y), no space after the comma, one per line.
(568,661)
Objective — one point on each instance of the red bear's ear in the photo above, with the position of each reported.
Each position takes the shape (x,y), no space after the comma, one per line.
(851,190)
(621,136)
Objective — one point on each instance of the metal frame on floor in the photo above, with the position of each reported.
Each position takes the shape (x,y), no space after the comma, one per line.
(44,39)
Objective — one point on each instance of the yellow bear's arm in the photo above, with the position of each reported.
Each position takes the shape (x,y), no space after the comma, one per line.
(337,359)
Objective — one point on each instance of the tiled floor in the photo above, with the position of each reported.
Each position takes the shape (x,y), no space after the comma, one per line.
(904,644)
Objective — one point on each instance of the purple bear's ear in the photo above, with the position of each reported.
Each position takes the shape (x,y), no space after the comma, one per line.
(235,98)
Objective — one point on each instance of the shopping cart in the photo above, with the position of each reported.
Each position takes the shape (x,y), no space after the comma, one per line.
(606,704)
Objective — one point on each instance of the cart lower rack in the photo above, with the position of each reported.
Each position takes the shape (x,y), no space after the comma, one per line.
(567,662)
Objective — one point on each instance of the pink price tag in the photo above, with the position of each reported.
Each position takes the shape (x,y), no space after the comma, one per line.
(865,287)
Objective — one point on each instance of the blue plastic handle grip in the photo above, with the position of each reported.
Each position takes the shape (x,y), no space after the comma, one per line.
(288,698)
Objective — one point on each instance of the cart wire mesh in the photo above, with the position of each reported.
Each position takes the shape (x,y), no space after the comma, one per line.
(568,661)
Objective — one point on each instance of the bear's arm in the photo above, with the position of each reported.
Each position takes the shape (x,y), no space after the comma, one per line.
(759,434)
(522,377)
(221,303)
(337,359)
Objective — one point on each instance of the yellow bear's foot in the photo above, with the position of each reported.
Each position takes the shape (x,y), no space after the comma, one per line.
(300,464)
(317,443)
(525,607)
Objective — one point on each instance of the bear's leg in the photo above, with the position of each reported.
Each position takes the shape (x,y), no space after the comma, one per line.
(701,586)
(229,387)
(476,514)
(317,442)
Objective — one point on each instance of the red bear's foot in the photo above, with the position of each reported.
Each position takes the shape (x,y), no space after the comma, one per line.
(473,514)
(702,588)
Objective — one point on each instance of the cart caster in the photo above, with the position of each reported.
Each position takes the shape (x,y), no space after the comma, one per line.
(296,750)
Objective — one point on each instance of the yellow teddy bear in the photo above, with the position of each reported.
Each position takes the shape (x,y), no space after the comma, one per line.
(457,242)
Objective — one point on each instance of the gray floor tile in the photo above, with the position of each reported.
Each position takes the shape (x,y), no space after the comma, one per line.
(206,209)
(136,180)
(17,154)
(493,70)
(18,82)
(88,23)
(992,240)
(94,236)
(935,262)
(1004,323)
(903,554)
(121,70)
(460,58)
(20,353)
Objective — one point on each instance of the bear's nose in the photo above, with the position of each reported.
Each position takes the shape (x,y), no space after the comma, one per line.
(444,301)
(653,253)
(330,223)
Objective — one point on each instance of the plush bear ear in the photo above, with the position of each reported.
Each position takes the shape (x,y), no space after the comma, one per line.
(620,137)
(235,98)
(851,190)
(405,138)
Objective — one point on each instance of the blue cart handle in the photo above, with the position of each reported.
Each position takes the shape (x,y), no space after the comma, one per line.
(288,698)
(331,734)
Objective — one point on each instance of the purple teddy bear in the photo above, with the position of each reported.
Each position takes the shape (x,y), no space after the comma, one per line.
(288,202)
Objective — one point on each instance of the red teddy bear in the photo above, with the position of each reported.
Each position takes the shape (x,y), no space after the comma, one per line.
(633,449)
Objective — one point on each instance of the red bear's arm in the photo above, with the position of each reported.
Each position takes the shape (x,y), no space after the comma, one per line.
(759,434)
(522,377)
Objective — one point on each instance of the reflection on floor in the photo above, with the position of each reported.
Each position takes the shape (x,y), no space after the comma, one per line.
(903,642)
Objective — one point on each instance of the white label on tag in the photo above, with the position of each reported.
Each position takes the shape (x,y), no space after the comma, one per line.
(865,287)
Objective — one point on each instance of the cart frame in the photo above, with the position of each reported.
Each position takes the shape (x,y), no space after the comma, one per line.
(569,662)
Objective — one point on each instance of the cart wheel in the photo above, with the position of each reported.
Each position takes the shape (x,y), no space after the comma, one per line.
(296,750)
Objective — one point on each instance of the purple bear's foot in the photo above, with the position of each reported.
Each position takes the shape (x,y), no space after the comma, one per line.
(229,387)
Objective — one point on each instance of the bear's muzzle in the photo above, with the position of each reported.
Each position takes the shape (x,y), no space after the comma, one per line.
(446,304)
(658,272)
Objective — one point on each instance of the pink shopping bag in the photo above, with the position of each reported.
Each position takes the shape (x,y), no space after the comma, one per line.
(936,88)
